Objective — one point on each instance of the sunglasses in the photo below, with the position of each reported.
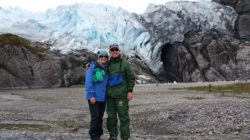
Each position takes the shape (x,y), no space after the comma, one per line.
(101,56)
(114,49)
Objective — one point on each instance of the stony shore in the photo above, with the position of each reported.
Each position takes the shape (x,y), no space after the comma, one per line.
(157,113)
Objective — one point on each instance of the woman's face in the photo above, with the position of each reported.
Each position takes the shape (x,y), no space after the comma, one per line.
(103,59)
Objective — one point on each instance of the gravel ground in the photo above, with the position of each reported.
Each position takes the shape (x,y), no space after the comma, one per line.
(157,113)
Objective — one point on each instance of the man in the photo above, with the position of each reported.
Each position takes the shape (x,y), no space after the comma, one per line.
(96,83)
(119,94)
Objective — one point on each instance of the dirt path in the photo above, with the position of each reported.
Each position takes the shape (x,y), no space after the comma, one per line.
(157,112)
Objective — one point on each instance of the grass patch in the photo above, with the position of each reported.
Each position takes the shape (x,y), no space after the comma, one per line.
(34,50)
(25,127)
(10,39)
(14,40)
(232,88)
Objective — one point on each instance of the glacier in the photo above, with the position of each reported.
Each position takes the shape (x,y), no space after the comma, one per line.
(94,26)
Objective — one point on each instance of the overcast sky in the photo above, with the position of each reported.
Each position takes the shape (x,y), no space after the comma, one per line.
(137,6)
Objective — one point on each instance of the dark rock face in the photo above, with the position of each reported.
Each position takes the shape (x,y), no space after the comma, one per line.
(243,9)
(231,3)
(208,56)
(243,22)
(242,26)
(33,71)
(27,65)
(243,6)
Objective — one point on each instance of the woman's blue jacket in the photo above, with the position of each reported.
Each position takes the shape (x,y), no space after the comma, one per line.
(96,89)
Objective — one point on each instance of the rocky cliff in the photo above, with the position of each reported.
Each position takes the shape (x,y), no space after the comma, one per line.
(30,65)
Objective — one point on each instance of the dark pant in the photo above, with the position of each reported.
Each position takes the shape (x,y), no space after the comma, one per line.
(96,112)
(118,107)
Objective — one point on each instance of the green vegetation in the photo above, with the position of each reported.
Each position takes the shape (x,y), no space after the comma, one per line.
(14,40)
(10,39)
(34,50)
(232,88)
(25,127)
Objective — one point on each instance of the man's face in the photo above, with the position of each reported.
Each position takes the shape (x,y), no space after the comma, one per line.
(114,52)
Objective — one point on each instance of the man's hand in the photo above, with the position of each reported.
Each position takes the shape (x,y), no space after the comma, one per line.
(92,100)
(130,96)
(86,66)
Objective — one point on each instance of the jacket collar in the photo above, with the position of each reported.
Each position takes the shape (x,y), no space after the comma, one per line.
(117,59)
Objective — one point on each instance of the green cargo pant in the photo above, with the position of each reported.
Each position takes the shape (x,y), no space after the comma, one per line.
(118,106)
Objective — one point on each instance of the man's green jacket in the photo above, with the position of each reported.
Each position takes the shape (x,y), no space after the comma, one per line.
(121,65)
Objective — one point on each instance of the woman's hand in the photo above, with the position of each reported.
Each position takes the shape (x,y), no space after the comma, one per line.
(92,100)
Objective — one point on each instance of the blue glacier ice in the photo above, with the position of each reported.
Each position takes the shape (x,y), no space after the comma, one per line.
(89,26)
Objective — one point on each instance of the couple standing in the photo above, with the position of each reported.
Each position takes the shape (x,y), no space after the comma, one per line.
(111,82)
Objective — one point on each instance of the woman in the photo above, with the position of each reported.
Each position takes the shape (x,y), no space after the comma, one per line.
(95,85)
